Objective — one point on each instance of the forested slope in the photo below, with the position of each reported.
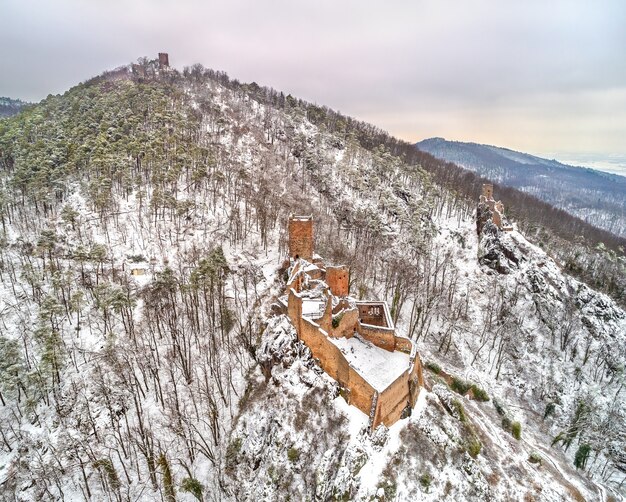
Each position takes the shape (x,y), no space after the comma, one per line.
(120,386)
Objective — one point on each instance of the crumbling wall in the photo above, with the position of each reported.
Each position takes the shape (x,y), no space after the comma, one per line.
(497,218)
(393,400)
(348,322)
(336,366)
(403,392)
(379,336)
(295,279)
(164,60)
(294,309)
(489,209)
(338,280)
(372,314)
(326,322)
(417,372)
(370,320)
(403,344)
(487,191)
(301,237)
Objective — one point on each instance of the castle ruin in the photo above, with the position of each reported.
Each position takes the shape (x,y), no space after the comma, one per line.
(164,60)
(355,342)
(496,208)
(301,237)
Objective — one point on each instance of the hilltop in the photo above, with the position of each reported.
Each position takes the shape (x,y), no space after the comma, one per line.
(144,354)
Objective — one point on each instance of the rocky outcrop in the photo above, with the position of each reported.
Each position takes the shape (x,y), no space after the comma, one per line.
(483,215)
(495,249)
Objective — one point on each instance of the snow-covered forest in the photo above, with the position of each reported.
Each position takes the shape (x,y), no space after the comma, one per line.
(142,248)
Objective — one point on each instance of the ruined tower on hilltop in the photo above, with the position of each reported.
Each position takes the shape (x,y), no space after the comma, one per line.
(164,60)
(487,191)
(301,237)
(496,207)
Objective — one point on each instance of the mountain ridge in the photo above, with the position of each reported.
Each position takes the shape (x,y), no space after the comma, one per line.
(595,196)
(439,139)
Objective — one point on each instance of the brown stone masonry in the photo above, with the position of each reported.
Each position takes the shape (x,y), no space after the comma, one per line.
(338,280)
(301,237)
(496,207)
(352,341)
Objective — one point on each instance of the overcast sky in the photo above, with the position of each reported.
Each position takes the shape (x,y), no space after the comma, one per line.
(537,76)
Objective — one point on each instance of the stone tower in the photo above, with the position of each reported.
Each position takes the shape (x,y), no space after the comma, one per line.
(301,237)
(488,191)
(338,280)
(164,60)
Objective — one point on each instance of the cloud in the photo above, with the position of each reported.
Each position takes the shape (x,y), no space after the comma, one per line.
(513,73)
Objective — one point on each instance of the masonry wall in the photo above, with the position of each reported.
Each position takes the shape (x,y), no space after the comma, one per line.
(326,322)
(392,401)
(488,191)
(417,372)
(361,392)
(294,309)
(301,238)
(347,324)
(336,366)
(373,314)
(338,280)
(497,218)
(395,398)
(381,337)
(403,344)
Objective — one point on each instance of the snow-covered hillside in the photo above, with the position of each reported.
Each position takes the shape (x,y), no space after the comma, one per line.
(142,250)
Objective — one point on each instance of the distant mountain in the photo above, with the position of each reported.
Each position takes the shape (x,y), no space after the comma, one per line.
(9,107)
(597,197)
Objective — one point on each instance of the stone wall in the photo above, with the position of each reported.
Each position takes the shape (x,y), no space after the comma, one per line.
(379,336)
(373,314)
(392,401)
(403,392)
(294,309)
(326,322)
(338,280)
(336,366)
(497,218)
(164,60)
(347,324)
(301,237)
(487,191)
(403,344)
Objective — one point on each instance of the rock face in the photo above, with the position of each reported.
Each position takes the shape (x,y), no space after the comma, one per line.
(494,249)
(483,215)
